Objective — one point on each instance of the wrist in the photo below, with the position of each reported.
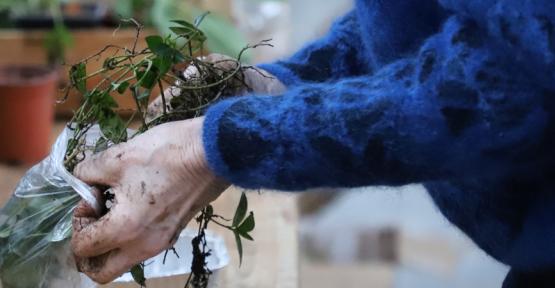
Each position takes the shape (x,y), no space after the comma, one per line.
(263,82)
(195,158)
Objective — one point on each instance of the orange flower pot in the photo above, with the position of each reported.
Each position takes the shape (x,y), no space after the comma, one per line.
(27,99)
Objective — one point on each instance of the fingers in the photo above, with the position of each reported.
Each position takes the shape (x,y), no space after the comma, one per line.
(191,72)
(106,268)
(221,61)
(261,81)
(156,108)
(102,168)
(85,211)
(92,237)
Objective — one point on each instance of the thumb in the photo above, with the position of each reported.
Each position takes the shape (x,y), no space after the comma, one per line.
(103,168)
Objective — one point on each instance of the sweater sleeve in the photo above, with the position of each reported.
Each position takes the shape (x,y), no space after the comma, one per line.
(336,55)
(374,34)
(526,28)
(457,109)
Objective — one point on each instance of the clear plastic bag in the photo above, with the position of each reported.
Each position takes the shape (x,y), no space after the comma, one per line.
(35,224)
(35,227)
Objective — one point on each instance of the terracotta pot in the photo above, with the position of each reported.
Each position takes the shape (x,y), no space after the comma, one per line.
(27,99)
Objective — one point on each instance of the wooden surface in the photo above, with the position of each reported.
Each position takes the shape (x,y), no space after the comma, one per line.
(326,275)
(271,261)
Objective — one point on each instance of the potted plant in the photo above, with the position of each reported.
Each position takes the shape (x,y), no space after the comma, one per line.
(27,96)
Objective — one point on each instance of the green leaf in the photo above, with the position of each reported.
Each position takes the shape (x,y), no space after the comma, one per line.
(184,23)
(147,78)
(122,87)
(157,45)
(246,235)
(239,247)
(101,145)
(101,99)
(248,224)
(180,30)
(6,232)
(188,31)
(162,64)
(113,128)
(241,210)
(77,76)
(138,274)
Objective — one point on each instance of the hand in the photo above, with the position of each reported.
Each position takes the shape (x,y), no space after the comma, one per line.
(258,80)
(160,180)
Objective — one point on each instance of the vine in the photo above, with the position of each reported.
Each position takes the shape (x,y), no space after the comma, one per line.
(142,73)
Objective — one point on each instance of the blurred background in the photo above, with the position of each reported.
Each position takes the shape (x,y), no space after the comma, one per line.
(371,237)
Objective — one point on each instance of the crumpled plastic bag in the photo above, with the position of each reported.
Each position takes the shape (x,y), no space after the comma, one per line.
(35,227)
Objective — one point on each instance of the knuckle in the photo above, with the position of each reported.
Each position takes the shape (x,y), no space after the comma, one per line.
(80,170)
(116,151)
(131,231)
(77,245)
(152,251)
(120,155)
(102,278)
(190,72)
(166,241)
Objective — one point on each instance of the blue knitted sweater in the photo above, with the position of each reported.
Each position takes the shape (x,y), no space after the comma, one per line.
(456,94)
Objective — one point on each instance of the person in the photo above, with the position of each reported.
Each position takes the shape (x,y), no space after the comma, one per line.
(456,94)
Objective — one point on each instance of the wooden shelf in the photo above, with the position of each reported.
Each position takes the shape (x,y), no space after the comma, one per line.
(22,47)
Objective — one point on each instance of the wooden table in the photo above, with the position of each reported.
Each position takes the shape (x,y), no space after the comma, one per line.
(270,261)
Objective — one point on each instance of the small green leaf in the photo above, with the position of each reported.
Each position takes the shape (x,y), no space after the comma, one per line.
(101,145)
(162,64)
(77,76)
(188,30)
(241,211)
(101,99)
(147,78)
(6,232)
(157,45)
(113,128)
(248,224)
(246,235)
(138,274)
(120,87)
(239,247)
(184,23)
(180,30)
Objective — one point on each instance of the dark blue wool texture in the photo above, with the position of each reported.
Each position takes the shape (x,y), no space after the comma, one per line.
(456,94)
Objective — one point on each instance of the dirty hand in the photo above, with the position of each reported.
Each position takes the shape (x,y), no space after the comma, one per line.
(160,180)
(258,80)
